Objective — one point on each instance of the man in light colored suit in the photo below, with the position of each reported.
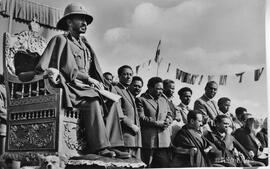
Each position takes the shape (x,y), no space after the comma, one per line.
(206,105)
(155,117)
(130,123)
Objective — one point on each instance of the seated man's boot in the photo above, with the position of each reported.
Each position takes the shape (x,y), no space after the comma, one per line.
(121,154)
(106,153)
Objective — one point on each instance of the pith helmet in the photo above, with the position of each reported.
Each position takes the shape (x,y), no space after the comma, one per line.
(73,9)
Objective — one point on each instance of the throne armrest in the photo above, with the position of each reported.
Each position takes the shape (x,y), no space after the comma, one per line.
(25,77)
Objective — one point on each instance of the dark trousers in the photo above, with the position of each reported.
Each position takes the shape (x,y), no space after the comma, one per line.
(156,157)
(100,131)
(2,144)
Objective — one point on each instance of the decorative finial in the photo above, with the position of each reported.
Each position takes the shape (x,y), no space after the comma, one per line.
(33,25)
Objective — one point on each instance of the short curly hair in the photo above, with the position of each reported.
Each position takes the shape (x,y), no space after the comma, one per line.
(152,81)
(183,90)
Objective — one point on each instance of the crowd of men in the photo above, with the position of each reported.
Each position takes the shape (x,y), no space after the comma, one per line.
(147,126)
(204,135)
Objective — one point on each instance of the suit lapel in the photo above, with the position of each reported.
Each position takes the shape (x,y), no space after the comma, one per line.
(159,106)
(151,101)
(215,106)
(132,98)
(125,94)
(211,105)
(254,139)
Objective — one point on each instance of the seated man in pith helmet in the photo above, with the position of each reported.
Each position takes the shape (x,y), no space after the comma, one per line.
(81,79)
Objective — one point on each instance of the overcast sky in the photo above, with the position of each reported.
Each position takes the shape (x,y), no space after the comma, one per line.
(198,36)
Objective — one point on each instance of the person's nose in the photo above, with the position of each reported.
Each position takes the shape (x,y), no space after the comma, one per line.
(84,21)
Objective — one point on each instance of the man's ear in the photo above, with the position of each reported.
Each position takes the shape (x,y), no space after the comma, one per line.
(68,21)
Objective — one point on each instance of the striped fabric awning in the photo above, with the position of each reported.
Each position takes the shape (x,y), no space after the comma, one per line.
(25,11)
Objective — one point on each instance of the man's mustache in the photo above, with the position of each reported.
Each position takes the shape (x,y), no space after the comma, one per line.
(83,25)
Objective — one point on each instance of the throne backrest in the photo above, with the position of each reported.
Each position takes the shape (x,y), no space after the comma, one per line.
(21,54)
(22,51)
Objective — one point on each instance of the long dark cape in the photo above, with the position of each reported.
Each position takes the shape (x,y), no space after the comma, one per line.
(185,139)
(58,54)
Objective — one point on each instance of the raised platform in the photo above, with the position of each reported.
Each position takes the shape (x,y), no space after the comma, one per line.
(95,161)
(89,161)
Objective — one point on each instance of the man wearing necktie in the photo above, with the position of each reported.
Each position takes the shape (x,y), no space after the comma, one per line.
(206,105)
(130,123)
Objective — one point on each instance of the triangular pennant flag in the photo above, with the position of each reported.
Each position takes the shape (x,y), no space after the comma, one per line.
(178,74)
(157,57)
(193,79)
(240,75)
(222,80)
(186,77)
(137,69)
(200,81)
(183,76)
(149,62)
(169,65)
(258,73)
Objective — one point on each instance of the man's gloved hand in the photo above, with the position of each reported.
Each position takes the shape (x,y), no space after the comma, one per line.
(135,128)
(162,124)
(94,83)
(53,74)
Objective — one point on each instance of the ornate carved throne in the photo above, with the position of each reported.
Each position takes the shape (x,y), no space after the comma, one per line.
(36,122)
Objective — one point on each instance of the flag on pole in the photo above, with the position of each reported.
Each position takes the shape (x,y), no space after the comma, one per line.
(149,62)
(137,69)
(193,79)
(169,65)
(200,81)
(258,73)
(158,52)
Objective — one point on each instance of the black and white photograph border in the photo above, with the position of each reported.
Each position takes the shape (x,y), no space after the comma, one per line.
(190,42)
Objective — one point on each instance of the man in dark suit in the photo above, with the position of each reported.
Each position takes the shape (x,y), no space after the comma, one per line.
(155,118)
(233,153)
(239,113)
(191,148)
(206,105)
(168,90)
(130,123)
(108,76)
(246,136)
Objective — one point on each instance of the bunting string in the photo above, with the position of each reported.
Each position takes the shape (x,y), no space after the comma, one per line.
(190,78)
